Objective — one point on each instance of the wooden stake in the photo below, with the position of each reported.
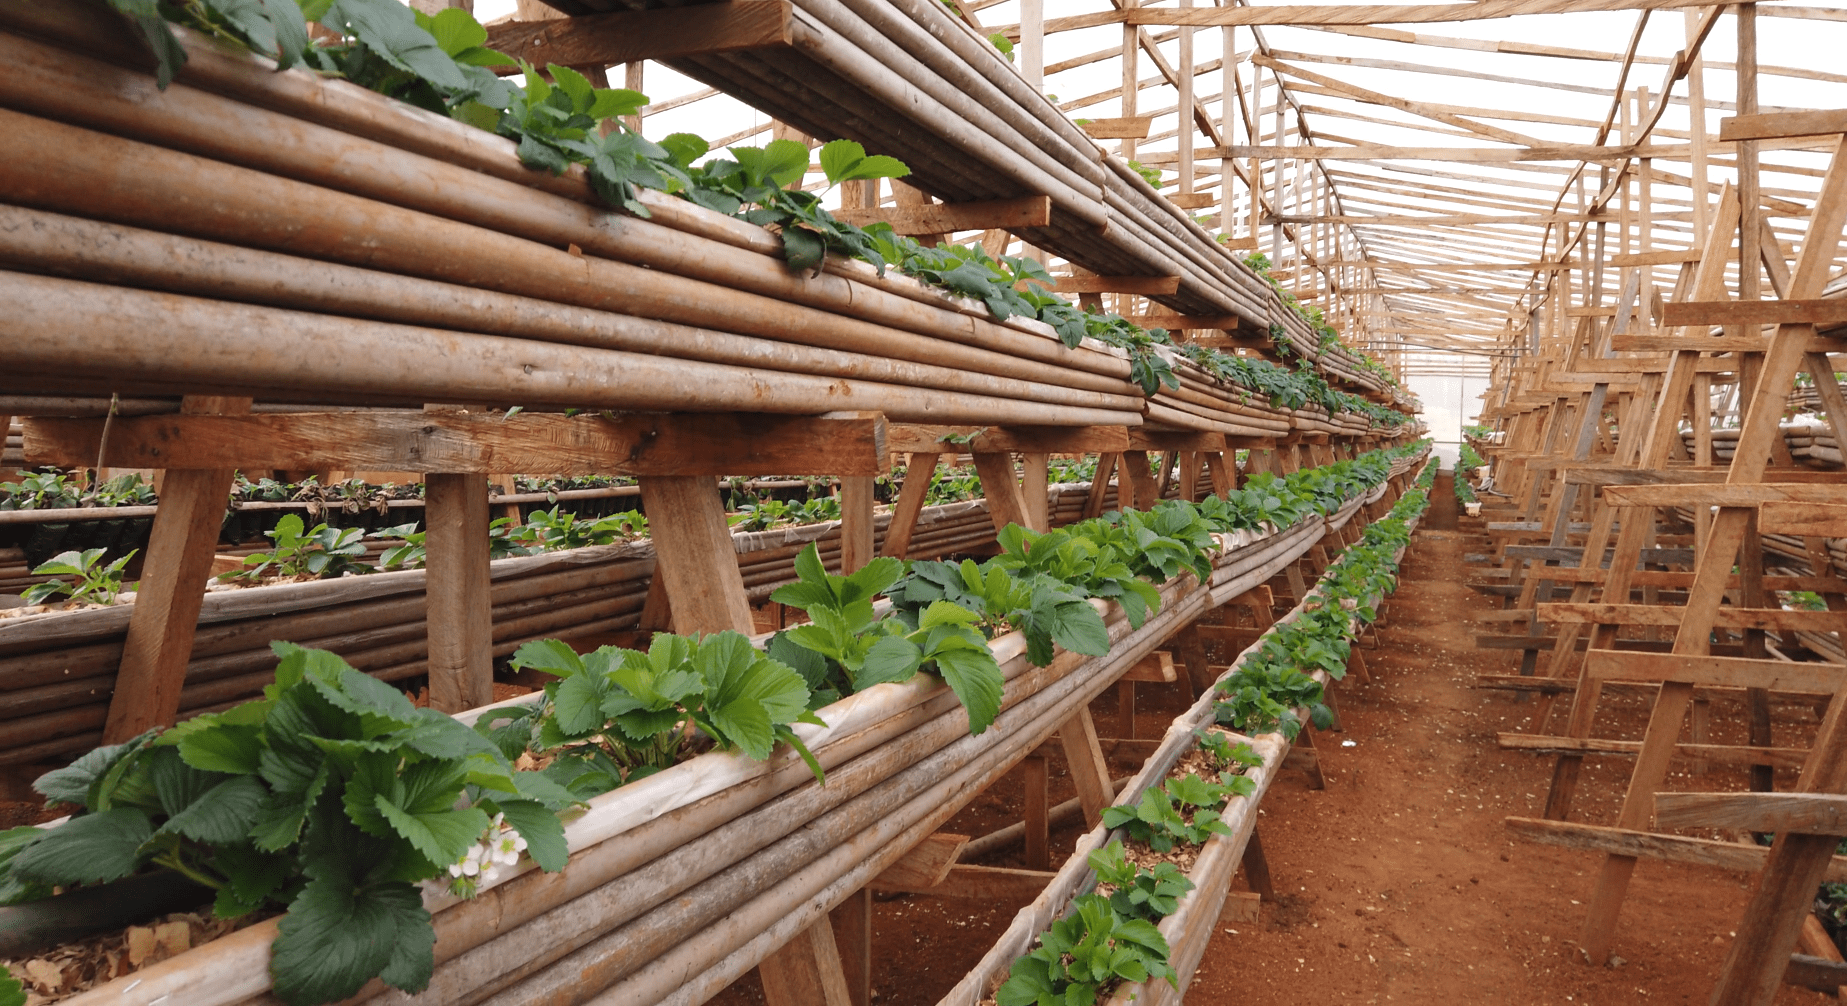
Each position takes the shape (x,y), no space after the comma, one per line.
(856,531)
(461,617)
(694,554)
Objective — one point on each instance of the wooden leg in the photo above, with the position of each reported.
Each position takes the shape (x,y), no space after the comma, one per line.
(656,610)
(1099,486)
(856,500)
(172,590)
(1192,651)
(853,936)
(1327,699)
(461,620)
(1297,586)
(1189,475)
(1035,488)
(919,470)
(1140,481)
(1084,759)
(1168,460)
(806,971)
(1006,504)
(1038,833)
(1125,709)
(1356,665)
(1222,474)
(1317,776)
(694,555)
(1257,868)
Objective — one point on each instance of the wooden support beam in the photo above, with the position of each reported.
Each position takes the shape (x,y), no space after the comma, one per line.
(1146,286)
(1182,322)
(461,617)
(1733,856)
(1001,485)
(453,441)
(920,468)
(925,866)
(1035,489)
(632,36)
(856,530)
(852,922)
(1036,812)
(947,218)
(1750,494)
(1778,125)
(1728,617)
(1721,754)
(1753,312)
(1143,439)
(694,554)
(1808,813)
(1132,128)
(1364,14)
(178,562)
(984,883)
(1699,669)
(907,437)
(1084,760)
(806,971)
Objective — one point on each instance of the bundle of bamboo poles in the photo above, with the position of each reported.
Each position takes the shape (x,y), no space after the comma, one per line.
(390,255)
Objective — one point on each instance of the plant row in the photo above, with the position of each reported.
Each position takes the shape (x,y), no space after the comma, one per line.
(440,63)
(334,799)
(1109,937)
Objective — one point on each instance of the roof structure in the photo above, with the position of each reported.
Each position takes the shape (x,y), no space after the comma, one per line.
(1442,181)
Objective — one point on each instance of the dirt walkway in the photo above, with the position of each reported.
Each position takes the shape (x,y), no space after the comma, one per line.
(1399,883)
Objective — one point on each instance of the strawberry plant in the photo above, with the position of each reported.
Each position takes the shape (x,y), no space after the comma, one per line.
(322,551)
(92,581)
(1151,895)
(1087,951)
(1225,754)
(331,797)
(635,707)
(846,648)
(1160,820)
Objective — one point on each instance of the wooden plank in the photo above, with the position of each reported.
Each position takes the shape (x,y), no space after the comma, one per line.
(983,883)
(1732,856)
(1677,256)
(1156,667)
(852,920)
(1818,973)
(461,617)
(694,554)
(1776,125)
(1698,669)
(925,866)
(1468,155)
(590,444)
(1035,489)
(1723,754)
(1147,286)
(1181,322)
(1754,312)
(1241,907)
(1822,520)
(856,530)
(920,468)
(1748,494)
(1743,343)
(910,437)
(1808,813)
(631,36)
(181,547)
(806,971)
(1143,439)
(1361,14)
(1084,760)
(947,218)
(1037,812)
(1773,619)
(1132,128)
(1001,485)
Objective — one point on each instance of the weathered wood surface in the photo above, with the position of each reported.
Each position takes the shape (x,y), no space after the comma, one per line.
(1807,813)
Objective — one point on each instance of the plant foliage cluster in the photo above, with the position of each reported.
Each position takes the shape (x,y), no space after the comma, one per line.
(1275,680)
(1109,936)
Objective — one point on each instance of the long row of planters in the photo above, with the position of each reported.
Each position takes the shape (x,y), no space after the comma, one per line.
(668,252)
(1121,923)
(676,787)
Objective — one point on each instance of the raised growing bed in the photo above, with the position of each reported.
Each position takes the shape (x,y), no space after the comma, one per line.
(682,881)
(1188,929)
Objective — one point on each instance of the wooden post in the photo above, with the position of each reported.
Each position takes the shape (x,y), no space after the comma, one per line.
(1099,486)
(1125,709)
(461,619)
(1223,472)
(919,469)
(853,936)
(1036,489)
(1038,835)
(1257,868)
(1006,504)
(694,554)
(1138,490)
(806,971)
(172,590)
(1084,759)
(856,531)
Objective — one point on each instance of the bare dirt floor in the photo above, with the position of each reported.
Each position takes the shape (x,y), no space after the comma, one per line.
(1400,882)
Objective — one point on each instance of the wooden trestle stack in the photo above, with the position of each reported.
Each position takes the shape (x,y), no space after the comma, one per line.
(247,239)
(1614,519)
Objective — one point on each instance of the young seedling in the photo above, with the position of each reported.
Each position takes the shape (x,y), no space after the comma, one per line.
(92,582)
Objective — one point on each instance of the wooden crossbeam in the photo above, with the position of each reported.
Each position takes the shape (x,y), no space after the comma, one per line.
(1734,856)
(1131,128)
(1716,343)
(924,439)
(1147,286)
(630,36)
(1361,14)
(1754,312)
(1699,669)
(947,218)
(1777,125)
(1481,155)
(595,444)
(1178,322)
(1769,619)
(1723,754)
(1808,813)
(1733,495)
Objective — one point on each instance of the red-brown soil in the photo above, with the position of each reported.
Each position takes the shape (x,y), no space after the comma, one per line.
(1400,882)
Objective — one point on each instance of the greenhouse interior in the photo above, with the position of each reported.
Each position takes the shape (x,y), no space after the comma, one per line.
(922,502)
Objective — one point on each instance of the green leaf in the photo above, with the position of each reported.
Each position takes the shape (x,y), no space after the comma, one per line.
(802,248)
(784,162)
(976,679)
(278,823)
(12,991)
(88,849)
(454,29)
(72,784)
(685,148)
(441,836)
(550,656)
(223,815)
(543,832)
(618,101)
(336,936)
(891,658)
(577,704)
(231,749)
(877,166)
